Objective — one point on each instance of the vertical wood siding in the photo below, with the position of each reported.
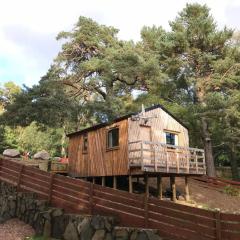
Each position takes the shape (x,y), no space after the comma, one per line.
(98,161)
(162,122)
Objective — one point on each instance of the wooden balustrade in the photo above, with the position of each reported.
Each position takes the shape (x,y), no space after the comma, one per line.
(160,157)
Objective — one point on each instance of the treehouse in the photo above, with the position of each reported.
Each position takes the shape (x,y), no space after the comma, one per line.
(151,143)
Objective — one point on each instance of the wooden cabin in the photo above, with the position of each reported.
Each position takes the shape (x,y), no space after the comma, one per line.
(151,142)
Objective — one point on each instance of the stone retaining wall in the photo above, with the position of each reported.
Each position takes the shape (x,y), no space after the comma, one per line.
(53,222)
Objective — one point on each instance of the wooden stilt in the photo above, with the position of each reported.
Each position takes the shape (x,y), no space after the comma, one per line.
(146,185)
(187,195)
(173,188)
(94,180)
(115,182)
(103,181)
(130,184)
(159,187)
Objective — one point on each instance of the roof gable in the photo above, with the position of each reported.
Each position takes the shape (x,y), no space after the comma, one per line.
(101,125)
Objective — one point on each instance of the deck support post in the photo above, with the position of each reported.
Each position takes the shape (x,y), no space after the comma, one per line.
(130,184)
(187,195)
(93,180)
(159,187)
(115,182)
(103,181)
(173,188)
(146,185)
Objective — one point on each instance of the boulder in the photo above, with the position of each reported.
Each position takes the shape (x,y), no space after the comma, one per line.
(11,153)
(44,155)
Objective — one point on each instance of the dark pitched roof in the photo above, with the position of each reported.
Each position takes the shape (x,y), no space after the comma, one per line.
(97,126)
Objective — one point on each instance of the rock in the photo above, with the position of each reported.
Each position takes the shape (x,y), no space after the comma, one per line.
(11,153)
(44,155)
(85,230)
(142,236)
(153,236)
(70,232)
(121,233)
(97,222)
(99,235)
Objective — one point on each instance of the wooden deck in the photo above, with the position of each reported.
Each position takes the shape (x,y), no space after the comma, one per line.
(159,157)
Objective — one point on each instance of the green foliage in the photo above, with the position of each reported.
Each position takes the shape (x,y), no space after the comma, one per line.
(230,190)
(33,139)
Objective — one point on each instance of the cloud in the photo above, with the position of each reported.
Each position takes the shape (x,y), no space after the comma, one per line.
(28,28)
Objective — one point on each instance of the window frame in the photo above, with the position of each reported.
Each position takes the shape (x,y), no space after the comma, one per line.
(107,138)
(176,137)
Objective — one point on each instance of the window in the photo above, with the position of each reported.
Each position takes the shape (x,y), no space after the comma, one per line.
(171,138)
(85,143)
(113,138)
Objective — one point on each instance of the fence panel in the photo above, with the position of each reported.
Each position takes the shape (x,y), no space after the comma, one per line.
(132,210)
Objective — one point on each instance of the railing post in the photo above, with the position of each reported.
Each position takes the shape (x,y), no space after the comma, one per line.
(142,163)
(50,188)
(19,177)
(177,162)
(196,160)
(154,155)
(218,225)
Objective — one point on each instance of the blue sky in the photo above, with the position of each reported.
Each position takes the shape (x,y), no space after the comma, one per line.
(28,28)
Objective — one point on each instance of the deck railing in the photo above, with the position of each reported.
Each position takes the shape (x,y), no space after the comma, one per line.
(160,157)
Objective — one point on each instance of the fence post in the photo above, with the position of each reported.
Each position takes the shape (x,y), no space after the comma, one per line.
(91,210)
(218,225)
(50,188)
(19,177)
(146,210)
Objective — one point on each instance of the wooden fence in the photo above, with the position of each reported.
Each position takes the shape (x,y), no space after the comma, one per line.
(173,221)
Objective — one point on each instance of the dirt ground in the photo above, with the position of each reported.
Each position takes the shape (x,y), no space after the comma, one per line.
(15,229)
(204,196)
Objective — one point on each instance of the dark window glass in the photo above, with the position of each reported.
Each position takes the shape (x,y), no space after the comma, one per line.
(113,138)
(85,143)
(170,138)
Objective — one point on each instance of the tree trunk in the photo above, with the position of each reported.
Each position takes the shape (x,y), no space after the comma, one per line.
(234,165)
(208,149)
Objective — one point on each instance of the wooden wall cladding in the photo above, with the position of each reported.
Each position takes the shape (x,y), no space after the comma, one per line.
(159,124)
(98,160)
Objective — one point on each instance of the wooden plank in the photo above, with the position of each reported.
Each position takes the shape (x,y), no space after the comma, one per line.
(201,229)
(68,206)
(182,215)
(230,226)
(70,192)
(34,186)
(118,193)
(227,235)
(69,198)
(118,199)
(179,207)
(230,217)
(125,219)
(10,171)
(115,205)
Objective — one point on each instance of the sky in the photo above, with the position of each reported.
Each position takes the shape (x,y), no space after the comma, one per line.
(28,28)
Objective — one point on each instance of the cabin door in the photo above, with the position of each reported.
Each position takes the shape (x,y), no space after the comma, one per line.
(146,136)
